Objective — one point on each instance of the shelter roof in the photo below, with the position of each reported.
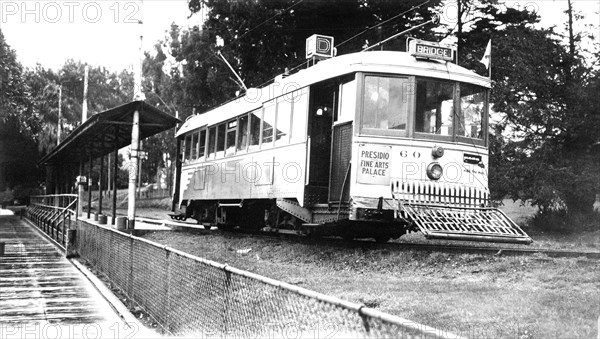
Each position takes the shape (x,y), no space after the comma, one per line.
(105,131)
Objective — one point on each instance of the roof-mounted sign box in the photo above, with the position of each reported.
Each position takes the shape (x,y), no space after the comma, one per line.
(431,50)
(320,46)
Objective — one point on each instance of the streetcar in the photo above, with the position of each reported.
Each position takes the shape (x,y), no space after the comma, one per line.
(365,145)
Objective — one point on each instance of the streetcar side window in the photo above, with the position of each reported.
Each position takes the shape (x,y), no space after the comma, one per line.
(188,148)
(202,143)
(472,111)
(212,141)
(347,102)
(268,123)
(434,107)
(386,104)
(194,153)
(299,116)
(242,141)
(220,139)
(284,119)
(230,138)
(254,130)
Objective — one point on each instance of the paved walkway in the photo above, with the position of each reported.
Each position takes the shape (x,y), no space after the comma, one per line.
(42,295)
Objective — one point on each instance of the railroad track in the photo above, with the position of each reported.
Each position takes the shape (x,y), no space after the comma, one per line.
(447,248)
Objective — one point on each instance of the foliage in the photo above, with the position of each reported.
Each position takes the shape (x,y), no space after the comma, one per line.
(262,39)
(105,90)
(561,221)
(18,124)
(543,149)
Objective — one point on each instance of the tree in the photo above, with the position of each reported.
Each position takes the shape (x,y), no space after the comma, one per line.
(105,90)
(18,124)
(262,39)
(543,150)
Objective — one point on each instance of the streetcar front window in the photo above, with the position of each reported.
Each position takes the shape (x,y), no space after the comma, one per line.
(472,110)
(434,107)
(385,103)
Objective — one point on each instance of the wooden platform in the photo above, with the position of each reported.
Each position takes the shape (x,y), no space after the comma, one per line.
(42,294)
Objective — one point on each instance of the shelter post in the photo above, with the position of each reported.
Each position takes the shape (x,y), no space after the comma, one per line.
(133,168)
(100,183)
(80,191)
(114,181)
(89,181)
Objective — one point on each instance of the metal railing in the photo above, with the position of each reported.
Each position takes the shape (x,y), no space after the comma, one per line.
(53,214)
(191,296)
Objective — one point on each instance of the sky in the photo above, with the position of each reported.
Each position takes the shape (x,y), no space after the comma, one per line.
(101,32)
(107,33)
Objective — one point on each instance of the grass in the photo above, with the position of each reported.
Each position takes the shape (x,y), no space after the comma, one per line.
(469,294)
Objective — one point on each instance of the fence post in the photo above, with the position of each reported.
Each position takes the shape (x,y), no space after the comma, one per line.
(167,288)
(130,280)
(226,298)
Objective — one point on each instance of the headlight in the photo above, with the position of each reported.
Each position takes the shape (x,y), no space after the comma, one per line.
(434,171)
(437,151)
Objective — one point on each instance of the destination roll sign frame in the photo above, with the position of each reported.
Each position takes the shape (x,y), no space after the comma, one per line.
(431,50)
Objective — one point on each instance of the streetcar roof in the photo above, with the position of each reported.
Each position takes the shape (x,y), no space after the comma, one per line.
(388,62)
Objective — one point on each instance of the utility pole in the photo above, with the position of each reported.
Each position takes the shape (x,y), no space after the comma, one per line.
(84,106)
(135,131)
(59,129)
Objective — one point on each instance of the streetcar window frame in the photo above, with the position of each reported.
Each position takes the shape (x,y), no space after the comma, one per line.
(281,136)
(412,98)
(300,105)
(231,127)
(267,134)
(455,117)
(409,100)
(243,135)
(202,142)
(187,147)
(255,130)
(194,147)
(212,141)
(220,144)
(428,135)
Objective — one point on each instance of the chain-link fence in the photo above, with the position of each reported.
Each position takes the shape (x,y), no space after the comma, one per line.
(196,297)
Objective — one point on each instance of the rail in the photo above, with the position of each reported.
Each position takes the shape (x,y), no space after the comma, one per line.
(53,214)
(191,296)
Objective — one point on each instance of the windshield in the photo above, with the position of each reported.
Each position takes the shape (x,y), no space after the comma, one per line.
(434,107)
(472,110)
(443,109)
(385,104)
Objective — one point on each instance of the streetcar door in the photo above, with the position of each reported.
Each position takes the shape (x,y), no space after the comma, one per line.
(321,112)
(341,148)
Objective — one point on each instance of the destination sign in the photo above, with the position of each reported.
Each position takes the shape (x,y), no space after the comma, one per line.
(374,164)
(430,50)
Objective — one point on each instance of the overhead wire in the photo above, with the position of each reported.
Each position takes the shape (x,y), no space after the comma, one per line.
(357,35)
(382,23)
